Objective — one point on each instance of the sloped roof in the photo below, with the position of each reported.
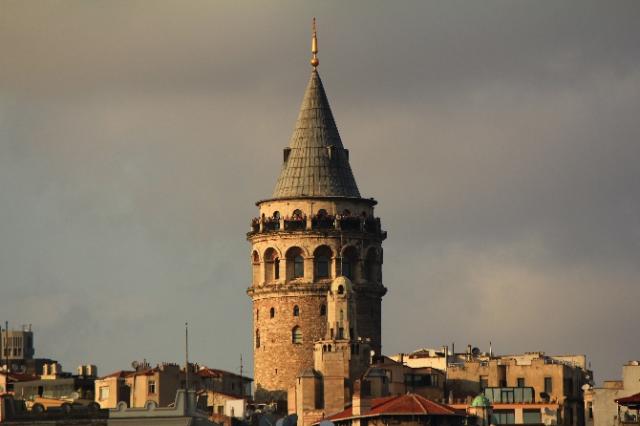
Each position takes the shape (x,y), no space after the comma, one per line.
(317,163)
(629,400)
(118,374)
(409,404)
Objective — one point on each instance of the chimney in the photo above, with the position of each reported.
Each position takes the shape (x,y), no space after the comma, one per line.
(361,401)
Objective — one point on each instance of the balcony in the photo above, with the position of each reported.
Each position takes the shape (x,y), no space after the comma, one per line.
(295,224)
(323,222)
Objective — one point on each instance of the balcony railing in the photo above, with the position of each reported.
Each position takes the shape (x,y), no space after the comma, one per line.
(327,223)
(323,222)
(295,225)
(270,225)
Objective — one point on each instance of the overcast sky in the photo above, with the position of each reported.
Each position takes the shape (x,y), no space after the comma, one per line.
(501,139)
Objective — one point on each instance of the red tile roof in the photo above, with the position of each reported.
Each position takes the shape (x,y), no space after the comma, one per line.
(409,404)
(629,400)
(214,372)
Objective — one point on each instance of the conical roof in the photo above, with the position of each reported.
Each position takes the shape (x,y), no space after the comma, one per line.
(316,163)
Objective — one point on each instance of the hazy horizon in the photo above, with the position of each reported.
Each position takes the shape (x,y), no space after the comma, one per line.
(500,139)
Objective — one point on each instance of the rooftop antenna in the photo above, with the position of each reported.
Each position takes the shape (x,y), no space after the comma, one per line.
(314,46)
(490,350)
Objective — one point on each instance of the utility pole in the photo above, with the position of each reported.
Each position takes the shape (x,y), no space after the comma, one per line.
(186,369)
(241,379)
(5,344)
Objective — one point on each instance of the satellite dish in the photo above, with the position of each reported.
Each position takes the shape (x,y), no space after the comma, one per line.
(74,395)
(475,351)
(135,365)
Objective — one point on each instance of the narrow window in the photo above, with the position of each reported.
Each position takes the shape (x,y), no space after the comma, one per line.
(296,311)
(257,338)
(272,312)
(520,382)
(548,385)
(276,269)
(151,387)
(323,310)
(296,335)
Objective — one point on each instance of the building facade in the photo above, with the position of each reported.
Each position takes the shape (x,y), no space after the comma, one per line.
(315,227)
(601,408)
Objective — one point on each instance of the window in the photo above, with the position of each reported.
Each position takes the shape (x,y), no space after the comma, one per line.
(272,312)
(271,265)
(298,267)
(296,335)
(548,385)
(151,387)
(323,310)
(340,289)
(503,417)
(531,417)
(296,311)
(520,382)
(103,393)
(295,263)
(257,338)
(484,382)
(257,314)
(322,259)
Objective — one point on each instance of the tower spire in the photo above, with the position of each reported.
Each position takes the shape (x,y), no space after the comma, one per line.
(314,46)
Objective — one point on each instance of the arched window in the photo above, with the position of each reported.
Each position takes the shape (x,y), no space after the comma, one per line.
(349,262)
(257,338)
(271,265)
(322,259)
(295,263)
(296,311)
(296,335)
(297,214)
(276,215)
(340,290)
(341,315)
(256,267)
(272,312)
(323,310)
(322,213)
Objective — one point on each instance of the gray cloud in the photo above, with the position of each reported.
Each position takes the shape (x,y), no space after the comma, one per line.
(500,139)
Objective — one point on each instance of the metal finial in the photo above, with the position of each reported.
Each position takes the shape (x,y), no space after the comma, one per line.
(314,47)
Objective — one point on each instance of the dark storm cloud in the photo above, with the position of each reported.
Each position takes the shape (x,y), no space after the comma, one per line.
(500,138)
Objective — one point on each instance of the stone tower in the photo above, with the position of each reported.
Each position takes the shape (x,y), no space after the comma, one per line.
(314,228)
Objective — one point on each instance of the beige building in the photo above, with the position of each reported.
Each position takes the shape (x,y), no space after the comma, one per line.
(158,384)
(556,379)
(315,227)
(600,405)
(387,377)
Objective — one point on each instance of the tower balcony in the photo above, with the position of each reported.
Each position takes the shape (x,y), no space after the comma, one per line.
(319,223)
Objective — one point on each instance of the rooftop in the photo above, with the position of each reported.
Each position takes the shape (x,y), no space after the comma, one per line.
(401,405)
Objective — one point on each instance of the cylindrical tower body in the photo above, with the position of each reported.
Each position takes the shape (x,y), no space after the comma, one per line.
(293,269)
(314,228)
